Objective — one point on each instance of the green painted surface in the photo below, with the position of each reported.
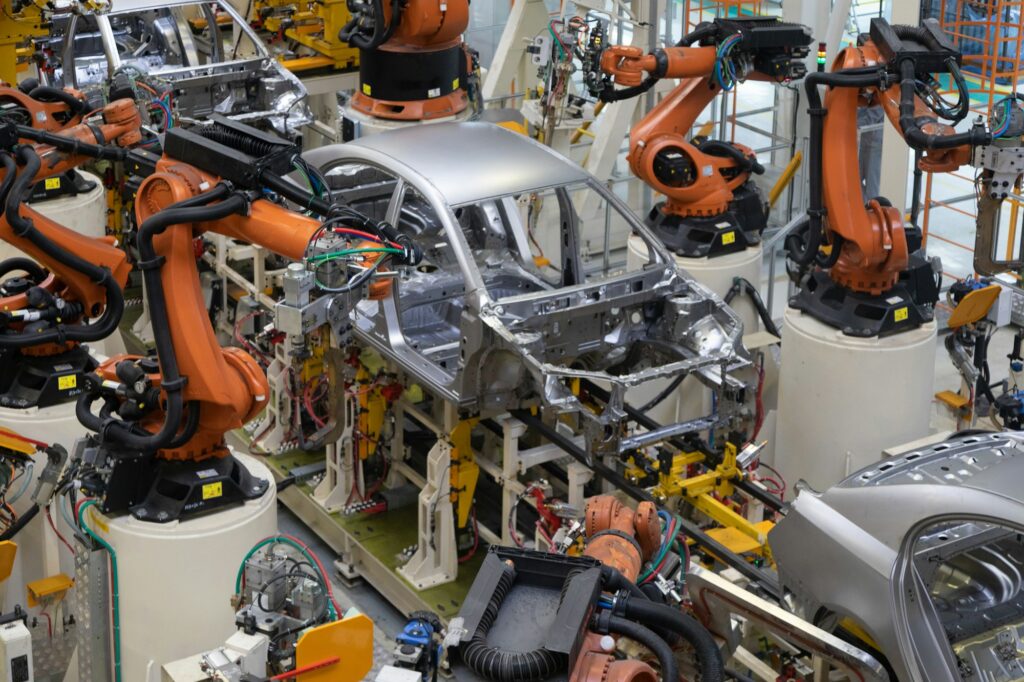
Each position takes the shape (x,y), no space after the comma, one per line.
(386,535)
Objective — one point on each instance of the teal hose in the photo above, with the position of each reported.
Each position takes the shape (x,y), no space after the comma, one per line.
(278,539)
(113,592)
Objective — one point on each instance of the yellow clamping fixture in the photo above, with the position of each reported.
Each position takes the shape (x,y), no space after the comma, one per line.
(372,408)
(736,532)
(314,24)
(464,470)
(16,31)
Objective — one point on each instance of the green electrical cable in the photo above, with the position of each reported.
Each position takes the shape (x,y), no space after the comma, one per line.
(113,591)
(335,255)
(558,41)
(278,539)
(670,537)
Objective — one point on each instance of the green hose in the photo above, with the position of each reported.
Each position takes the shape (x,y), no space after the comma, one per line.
(113,591)
(277,539)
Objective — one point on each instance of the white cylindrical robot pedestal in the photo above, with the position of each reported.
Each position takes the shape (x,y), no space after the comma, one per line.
(39,553)
(691,400)
(843,400)
(175,580)
(371,125)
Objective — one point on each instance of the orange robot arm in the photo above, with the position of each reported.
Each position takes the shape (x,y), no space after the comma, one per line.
(225,385)
(77,263)
(705,189)
(873,246)
(697,180)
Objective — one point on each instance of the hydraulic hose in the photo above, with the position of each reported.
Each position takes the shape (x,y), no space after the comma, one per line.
(709,656)
(187,212)
(642,635)
(912,133)
(73,145)
(10,195)
(704,30)
(850,78)
(44,93)
(34,271)
(742,284)
(350,33)
(614,581)
(500,665)
(720,148)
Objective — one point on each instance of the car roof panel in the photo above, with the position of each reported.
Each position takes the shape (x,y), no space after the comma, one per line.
(472,160)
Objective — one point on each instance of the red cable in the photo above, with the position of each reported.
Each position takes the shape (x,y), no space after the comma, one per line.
(360,233)
(78,505)
(306,669)
(31,441)
(323,571)
(307,400)
(476,541)
(59,536)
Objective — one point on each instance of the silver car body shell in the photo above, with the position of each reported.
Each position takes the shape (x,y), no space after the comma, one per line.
(847,551)
(456,163)
(283,120)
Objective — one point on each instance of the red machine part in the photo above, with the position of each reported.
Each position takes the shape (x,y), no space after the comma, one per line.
(615,533)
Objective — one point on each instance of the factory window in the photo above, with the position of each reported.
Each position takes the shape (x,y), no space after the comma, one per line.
(974,575)
(548,239)
(364,187)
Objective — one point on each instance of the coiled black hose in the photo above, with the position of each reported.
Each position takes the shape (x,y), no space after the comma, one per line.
(645,636)
(912,133)
(11,191)
(31,268)
(353,34)
(193,210)
(709,656)
(499,665)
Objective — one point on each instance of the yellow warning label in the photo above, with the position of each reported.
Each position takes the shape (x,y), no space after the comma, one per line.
(367,90)
(212,490)
(901,314)
(66,383)
(728,238)
(455,84)
(52,183)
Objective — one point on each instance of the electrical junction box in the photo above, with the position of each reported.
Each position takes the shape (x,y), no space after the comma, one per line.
(15,653)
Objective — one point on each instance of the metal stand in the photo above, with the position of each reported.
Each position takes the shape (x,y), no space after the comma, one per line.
(436,559)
